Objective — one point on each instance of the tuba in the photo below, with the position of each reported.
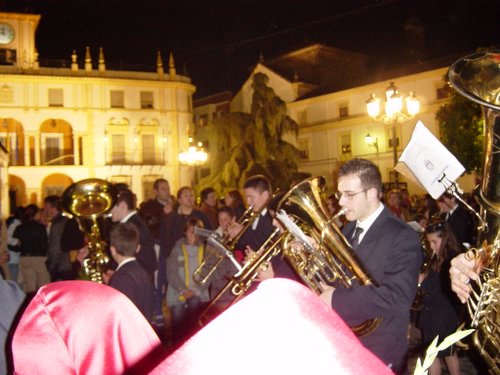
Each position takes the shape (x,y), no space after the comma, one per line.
(333,260)
(86,200)
(477,77)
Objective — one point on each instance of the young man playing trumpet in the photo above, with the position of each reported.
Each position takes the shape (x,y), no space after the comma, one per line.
(257,191)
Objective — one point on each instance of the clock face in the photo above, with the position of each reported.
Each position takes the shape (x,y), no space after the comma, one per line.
(6,33)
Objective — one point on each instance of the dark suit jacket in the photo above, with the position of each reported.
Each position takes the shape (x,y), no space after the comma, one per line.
(133,281)
(461,224)
(146,256)
(390,252)
(255,238)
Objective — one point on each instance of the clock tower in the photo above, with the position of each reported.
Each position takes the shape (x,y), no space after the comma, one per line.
(17,39)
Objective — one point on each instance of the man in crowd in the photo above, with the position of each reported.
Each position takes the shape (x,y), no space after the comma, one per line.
(209,205)
(58,261)
(458,218)
(124,211)
(154,209)
(390,252)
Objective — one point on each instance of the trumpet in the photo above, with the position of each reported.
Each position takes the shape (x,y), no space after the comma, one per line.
(223,246)
(216,252)
(243,279)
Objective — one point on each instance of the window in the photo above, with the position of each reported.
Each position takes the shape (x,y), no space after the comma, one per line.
(51,149)
(443,92)
(345,143)
(302,117)
(147,186)
(147,100)
(343,110)
(148,148)
(304,149)
(203,121)
(53,190)
(9,141)
(56,98)
(118,148)
(117,99)
(389,131)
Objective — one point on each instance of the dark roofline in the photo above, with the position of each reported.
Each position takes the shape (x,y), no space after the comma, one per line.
(225,95)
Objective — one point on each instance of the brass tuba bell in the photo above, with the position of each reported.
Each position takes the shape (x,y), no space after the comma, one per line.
(477,77)
(333,259)
(88,200)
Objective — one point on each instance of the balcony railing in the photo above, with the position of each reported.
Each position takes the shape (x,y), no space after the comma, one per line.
(123,158)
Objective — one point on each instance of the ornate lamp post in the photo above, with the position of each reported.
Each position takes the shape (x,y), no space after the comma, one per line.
(394,113)
(194,156)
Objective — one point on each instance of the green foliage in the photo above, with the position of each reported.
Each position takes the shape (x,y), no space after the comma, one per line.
(461,130)
(250,144)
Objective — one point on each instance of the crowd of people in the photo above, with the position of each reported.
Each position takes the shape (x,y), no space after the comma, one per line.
(155,249)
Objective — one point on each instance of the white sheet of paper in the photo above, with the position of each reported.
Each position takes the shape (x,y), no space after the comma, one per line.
(425,160)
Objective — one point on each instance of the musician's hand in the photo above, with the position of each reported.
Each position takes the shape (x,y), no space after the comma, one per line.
(82,254)
(234,228)
(326,295)
(168,207)
(106,276)
(266,273)
(463,269)
(187,294)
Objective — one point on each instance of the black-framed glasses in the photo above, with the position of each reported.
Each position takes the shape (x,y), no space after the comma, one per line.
(438,226)
(348,195)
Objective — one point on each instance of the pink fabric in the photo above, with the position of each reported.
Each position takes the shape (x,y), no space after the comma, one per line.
(281,328)
(81,327)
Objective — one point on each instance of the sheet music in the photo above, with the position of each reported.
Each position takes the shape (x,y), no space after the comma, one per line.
(425,160)
(293,228)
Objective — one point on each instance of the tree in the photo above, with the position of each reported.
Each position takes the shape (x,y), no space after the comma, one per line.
(250,144)
(461,130)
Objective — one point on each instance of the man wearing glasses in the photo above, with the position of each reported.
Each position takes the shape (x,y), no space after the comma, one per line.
(390,252)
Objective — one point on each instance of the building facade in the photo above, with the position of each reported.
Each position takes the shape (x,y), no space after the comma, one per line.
(62,125)
(333,119)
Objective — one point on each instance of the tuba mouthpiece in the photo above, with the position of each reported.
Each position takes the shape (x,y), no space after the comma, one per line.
(342,211)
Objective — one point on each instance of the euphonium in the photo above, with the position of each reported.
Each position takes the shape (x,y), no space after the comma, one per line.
(477,77)
(88,200)
(333,259)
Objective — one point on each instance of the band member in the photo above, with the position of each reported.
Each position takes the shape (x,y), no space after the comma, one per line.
(257,190)
(390,251)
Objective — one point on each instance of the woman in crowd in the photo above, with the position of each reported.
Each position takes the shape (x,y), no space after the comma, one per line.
(439,315)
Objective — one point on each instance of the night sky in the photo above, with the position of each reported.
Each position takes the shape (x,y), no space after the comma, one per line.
(218,42)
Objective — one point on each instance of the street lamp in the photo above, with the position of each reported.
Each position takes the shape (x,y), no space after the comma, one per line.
(393,113)
(194,156)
